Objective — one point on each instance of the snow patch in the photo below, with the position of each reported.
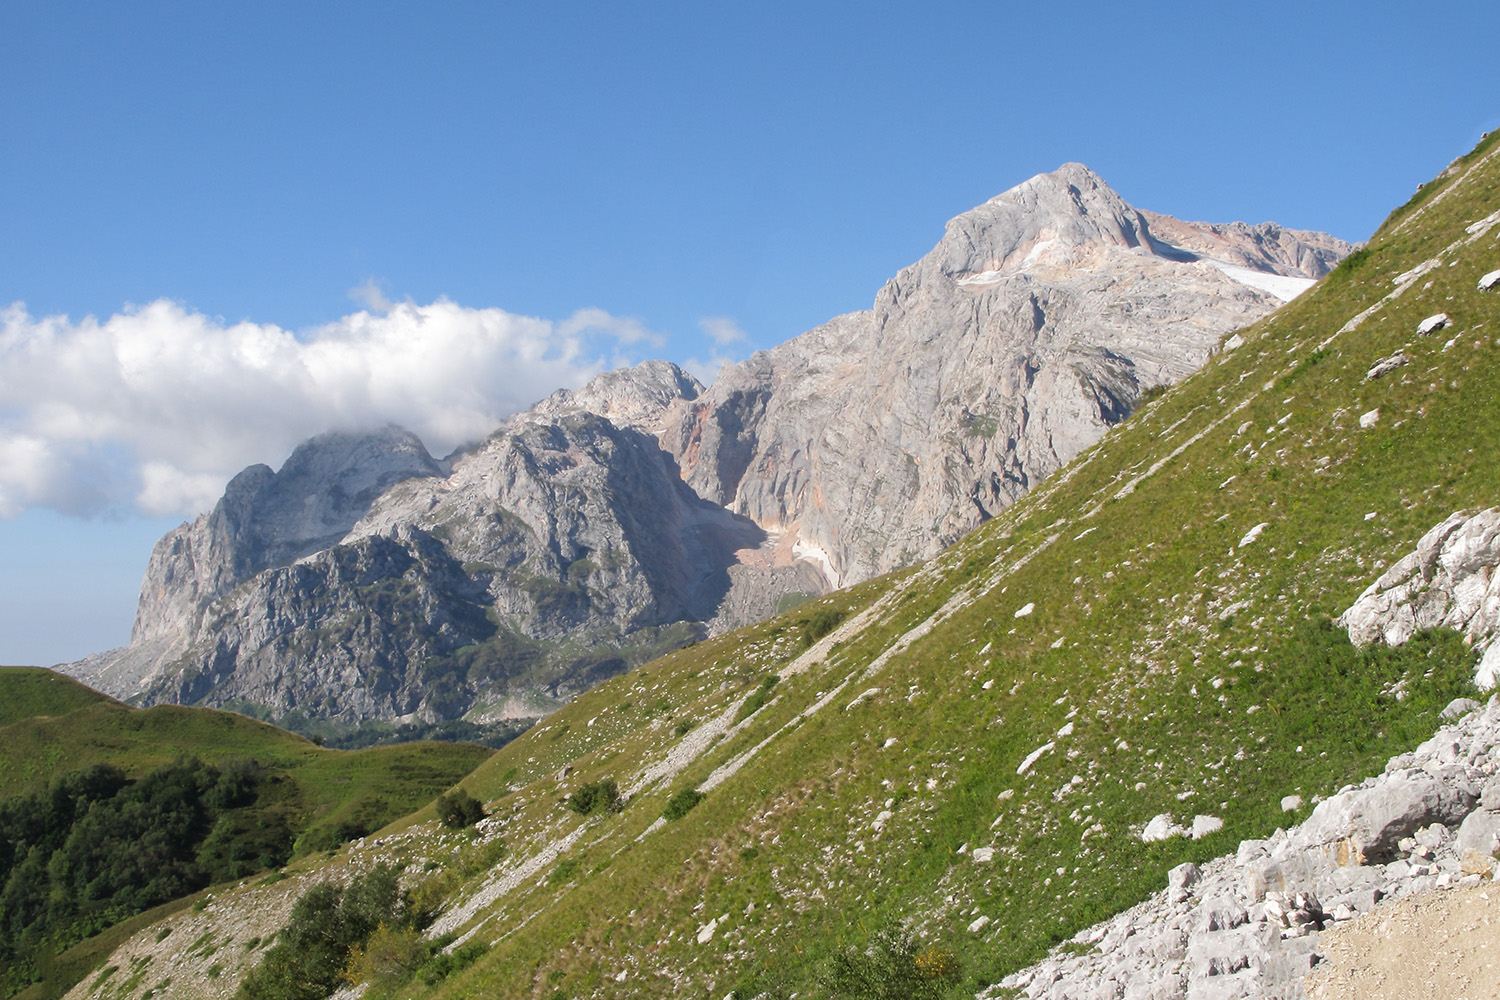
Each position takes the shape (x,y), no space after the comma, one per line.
(1283,286)
(816,554)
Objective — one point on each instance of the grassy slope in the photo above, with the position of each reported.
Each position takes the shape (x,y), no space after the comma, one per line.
(33,691)
(1192,670)
(1152,606)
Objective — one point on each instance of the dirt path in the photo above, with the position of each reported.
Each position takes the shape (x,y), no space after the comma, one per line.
(1443,943)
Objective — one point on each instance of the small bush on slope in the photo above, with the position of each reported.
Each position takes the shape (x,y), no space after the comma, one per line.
(328,924)
(459,809)
(601,796)
(894,967)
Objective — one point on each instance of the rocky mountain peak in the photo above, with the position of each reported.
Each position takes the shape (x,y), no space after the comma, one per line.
(1061,211)
(1034,324)
(626,397)
(270,518)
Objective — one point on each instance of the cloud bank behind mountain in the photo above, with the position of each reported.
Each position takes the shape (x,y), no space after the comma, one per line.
(153,409)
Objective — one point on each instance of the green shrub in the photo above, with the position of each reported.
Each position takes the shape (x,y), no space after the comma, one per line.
(442,965)
(681,804)
(566,869)
(459,809)
(596,797)
(1150,394)
(757,699)
(327,925)
(822,621)
(388,959)
(893,967)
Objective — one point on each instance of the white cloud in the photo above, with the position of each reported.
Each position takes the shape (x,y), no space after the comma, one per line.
(721,330)
(625,329)
(156,407)
(706,371)
(370,294)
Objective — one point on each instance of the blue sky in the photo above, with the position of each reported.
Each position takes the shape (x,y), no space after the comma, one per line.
(436,213)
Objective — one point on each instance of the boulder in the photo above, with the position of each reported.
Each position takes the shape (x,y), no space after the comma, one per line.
(1448,581)
(1161,827)
(1459,707)
(1479,833)
(1432,323)
(1489,796)
(1180,881)
(1387,365)
(1378,816)
(1489,281)
(1204,825)
(1219,913)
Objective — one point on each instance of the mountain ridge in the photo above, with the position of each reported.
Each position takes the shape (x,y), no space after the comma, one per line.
(646,509)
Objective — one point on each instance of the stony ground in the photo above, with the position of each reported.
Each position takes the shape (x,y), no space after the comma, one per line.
(1437,944)
(1421,837)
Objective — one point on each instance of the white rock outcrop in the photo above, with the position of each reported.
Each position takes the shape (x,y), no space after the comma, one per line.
(1162,827)
(1449,581)
(1253,534)
(1432,324)
(1387,365)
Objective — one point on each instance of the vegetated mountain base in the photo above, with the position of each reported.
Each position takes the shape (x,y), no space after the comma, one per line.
(367,587)
(962,769)
(107,811)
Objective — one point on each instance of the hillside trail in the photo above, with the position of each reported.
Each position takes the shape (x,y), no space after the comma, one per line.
(1440,943)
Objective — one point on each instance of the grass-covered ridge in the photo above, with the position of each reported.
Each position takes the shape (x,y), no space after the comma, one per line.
(969,752)
(35,691)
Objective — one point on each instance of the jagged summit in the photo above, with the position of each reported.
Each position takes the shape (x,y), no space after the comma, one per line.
(627,397)
(268,519)
(1070,216)
(1070,207)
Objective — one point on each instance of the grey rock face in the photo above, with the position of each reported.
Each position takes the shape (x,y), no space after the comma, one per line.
(264,520)
(1375,818)
(636,397)
(1034,324)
